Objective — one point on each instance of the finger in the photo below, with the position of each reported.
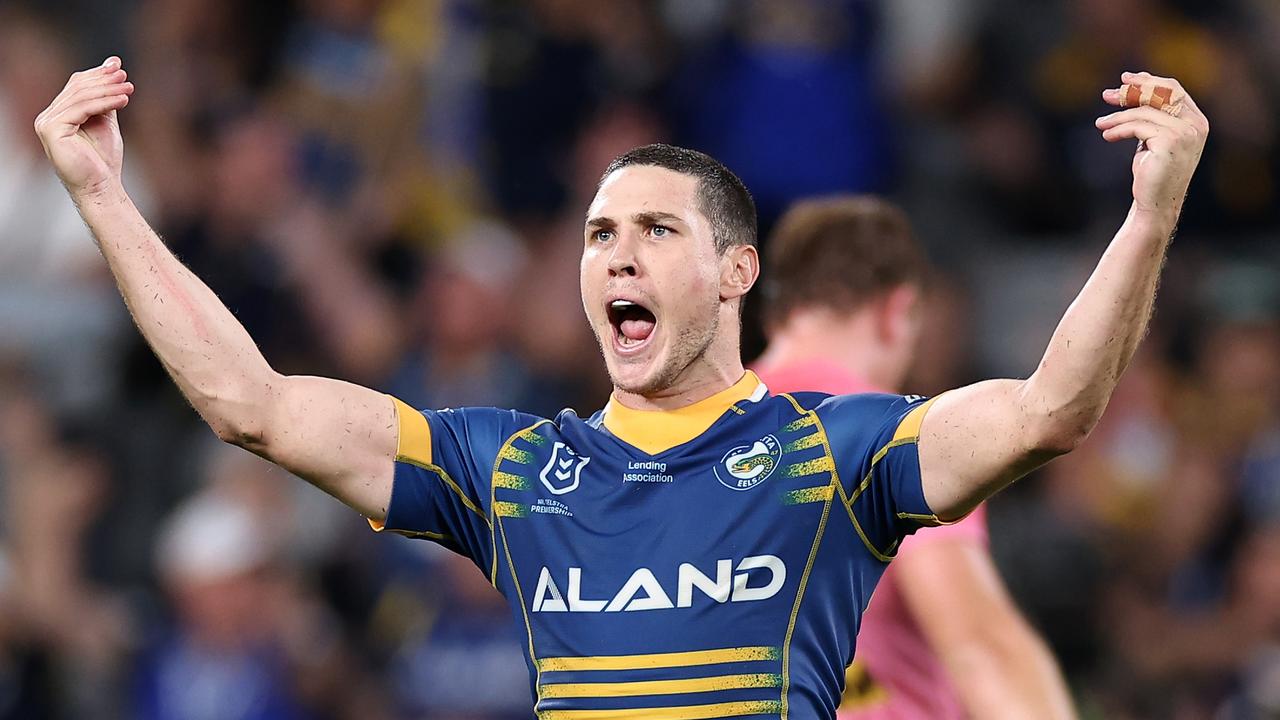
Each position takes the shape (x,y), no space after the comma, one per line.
(1180,92)
(1150,114)
(1136,95)
(1146,77)
(80,113)
(96,91)
(1169,99)
(72,93)
(1143,130)
(110,66)
(1149,92)
(59,108)
(1170,102)
(104,67)
(97,79)
(1159,95)
(91,94)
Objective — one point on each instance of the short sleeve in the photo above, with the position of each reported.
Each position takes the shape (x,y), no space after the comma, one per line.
(873,438)
(969,529)
(443,474)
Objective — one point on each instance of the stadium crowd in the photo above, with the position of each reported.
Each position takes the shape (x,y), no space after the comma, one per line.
(390,191)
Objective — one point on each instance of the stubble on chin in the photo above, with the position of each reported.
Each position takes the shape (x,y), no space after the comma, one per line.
(689,347)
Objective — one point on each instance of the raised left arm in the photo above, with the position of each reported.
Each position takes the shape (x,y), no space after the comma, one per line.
(977,439)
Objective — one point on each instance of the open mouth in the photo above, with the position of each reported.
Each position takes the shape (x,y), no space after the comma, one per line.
(633,323)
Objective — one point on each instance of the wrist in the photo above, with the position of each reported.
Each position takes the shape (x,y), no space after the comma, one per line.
(1158,222)
(106,192)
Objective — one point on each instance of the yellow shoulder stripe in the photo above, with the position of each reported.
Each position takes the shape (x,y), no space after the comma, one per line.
(414,446)
(909,429)
(414,443)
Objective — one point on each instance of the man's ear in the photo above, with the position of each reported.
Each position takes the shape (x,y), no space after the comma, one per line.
(739,270)
(896,311)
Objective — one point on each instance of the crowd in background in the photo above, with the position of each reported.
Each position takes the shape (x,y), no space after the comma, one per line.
(391,192)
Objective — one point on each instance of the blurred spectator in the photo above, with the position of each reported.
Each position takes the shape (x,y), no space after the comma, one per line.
(553,64)
(44,239)
(221,659)
(459,326)
(54,305)
(788,98)
(461,658)
(248,638)
(1032,137)
(65,634)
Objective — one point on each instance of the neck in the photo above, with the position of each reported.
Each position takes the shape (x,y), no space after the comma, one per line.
(849,341)
(717,369)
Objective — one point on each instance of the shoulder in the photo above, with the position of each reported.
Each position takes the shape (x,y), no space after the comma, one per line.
(431,436)
(863,407)
(505,425)
(864,419)
(482,419)
(801,401)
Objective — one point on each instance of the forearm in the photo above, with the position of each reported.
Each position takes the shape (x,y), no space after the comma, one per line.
(1051,412)
(1012,676)
(995,660)
(1099,333)
(209,354)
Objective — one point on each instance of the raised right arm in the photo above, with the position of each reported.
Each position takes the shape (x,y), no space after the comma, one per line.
(339,436)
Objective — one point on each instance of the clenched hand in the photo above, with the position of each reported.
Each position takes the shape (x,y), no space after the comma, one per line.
(1171,132)
(79,130)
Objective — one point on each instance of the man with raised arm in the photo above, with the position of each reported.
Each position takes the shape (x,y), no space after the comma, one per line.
(699,548)
(942,639)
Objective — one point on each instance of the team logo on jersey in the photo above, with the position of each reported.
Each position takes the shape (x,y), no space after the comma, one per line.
(746,466)
(564,470)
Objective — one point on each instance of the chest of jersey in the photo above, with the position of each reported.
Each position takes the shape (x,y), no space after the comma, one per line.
(609,532)
(612,551)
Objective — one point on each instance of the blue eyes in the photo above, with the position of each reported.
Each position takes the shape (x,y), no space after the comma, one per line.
(657,231)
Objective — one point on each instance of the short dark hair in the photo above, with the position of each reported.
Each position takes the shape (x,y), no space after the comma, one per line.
(722,197)
(838,252)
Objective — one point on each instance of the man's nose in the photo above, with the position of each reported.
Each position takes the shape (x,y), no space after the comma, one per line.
(623,259)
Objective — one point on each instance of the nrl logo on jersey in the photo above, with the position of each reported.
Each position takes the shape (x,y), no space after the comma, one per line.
(563,471)
(746,466)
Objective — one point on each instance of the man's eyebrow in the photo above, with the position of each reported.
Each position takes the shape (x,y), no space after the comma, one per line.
(654,216)
(601,222)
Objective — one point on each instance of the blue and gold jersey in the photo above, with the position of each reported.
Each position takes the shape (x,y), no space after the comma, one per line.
(707,562)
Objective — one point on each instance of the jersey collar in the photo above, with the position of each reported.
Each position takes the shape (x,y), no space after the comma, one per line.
(655,431)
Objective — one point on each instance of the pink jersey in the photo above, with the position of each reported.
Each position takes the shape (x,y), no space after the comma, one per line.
(895,674)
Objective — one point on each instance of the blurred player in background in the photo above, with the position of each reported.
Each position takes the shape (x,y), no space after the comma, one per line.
(699,548)
(942,638)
